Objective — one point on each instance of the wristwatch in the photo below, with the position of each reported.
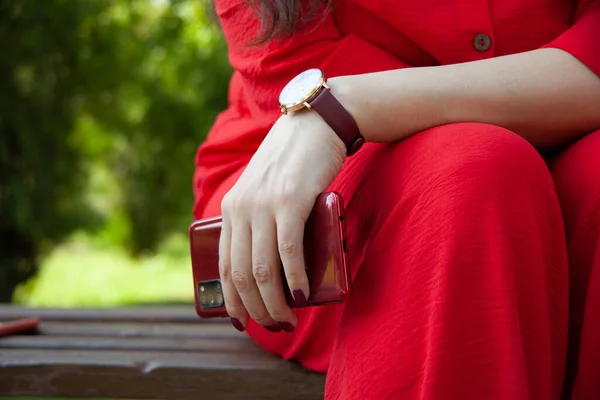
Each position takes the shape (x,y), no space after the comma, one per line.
(309,90)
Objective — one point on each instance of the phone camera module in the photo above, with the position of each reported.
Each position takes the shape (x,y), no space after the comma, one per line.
(210,294)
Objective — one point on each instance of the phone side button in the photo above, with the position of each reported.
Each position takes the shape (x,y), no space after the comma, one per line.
(345,244)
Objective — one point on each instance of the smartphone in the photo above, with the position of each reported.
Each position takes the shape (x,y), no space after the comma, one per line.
(325,255)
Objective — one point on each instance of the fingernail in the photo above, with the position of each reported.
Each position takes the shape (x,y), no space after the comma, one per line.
(299,298)
(286,326)
(273,328)
(237,324)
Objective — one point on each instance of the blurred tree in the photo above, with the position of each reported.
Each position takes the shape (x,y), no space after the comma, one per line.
(125,86)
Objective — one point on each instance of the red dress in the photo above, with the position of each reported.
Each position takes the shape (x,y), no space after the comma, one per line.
(463,240)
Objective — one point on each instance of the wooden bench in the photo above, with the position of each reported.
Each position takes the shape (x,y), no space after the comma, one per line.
(143,352)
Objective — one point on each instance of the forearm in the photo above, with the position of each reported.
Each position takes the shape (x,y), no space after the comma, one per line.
(547,96)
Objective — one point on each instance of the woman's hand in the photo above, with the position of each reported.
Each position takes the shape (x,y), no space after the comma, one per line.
(264,216)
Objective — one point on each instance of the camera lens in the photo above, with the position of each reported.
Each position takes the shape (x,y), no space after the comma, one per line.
(218,287)
(219,299)
(202,300)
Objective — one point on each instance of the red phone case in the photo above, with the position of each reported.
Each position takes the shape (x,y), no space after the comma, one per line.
(325,253)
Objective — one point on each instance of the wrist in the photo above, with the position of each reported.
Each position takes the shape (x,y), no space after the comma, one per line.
(309,121)
(345,91)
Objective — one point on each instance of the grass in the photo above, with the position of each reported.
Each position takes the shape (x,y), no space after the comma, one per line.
(84,273)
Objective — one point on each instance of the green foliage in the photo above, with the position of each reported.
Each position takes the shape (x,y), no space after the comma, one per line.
(102,106)
(110,277)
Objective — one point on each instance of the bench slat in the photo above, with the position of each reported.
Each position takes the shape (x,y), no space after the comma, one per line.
(150,329)
(141,358)
(184,382)
(233,344)
(129,314)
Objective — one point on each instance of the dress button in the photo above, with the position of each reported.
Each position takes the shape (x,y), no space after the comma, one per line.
(482,42)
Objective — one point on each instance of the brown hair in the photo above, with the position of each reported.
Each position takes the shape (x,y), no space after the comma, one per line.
(281,18)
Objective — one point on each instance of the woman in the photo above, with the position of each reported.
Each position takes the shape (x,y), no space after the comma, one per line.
(473,210)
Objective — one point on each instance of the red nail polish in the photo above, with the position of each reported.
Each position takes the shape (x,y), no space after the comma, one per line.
(273,328)
(237,324)
(287,326)
(299,298)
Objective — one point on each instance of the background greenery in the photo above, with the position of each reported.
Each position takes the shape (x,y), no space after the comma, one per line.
(102,106)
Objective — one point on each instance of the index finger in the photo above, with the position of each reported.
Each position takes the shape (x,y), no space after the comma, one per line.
(233,302)
(290,239)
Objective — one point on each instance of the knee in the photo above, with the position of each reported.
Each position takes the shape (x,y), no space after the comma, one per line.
(480,158)
(443,170)
(575,172)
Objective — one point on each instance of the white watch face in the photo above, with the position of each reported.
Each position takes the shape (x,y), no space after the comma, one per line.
(299,88)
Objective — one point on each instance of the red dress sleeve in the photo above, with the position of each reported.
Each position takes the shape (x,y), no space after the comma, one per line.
(264,69)
(260,72)
(582,40)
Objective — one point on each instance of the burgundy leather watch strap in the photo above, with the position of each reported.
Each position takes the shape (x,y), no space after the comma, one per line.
(339,119)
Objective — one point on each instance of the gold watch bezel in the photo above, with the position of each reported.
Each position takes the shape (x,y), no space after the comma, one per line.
(303,103)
